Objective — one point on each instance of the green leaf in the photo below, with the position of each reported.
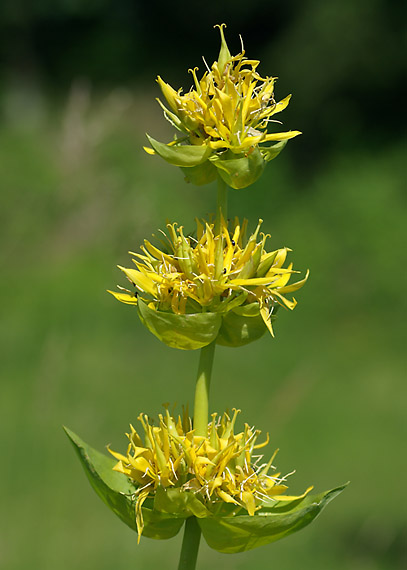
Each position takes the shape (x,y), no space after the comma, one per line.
(239,171)
(239,329)
(165,515)
(249,310)
(116,491)
(239,533)
(187,332)
(160,526)
(200,174)
(270,152)
(181,155)
(179,502)
(233,303)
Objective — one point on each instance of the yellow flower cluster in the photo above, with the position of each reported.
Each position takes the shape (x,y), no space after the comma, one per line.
(230,106)
(221,467)
(214,272)
(223,120)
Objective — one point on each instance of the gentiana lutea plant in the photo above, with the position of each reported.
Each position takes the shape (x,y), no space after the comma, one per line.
(217,285)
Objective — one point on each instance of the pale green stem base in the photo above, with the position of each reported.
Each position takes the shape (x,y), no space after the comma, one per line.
(201,405)
(192,532)
(190,545)
(222,203)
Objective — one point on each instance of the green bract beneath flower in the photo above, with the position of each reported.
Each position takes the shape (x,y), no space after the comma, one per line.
(220,468)
(218,285)
(231,529)
(224,121)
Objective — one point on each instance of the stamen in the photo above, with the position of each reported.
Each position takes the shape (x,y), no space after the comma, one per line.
(172,468)
(206,65)
(142,488)
(261,496)
(248,478)
(241,43)
(284,478)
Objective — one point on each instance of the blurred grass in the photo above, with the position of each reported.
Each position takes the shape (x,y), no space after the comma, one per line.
(78,193)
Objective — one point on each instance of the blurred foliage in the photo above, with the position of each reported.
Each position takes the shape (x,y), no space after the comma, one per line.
(342,60)
(78,192)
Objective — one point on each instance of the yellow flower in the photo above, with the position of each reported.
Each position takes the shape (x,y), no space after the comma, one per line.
(224,116)
(212,273)
(222,467)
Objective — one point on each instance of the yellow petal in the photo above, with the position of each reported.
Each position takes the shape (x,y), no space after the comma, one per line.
(289,304)
(149,150)
(265,314)
(169,93)
(255,281)
(249,502)
(139,513)
(291,497)
(158,253)
(124,297)
(142,281)
(282,136)
(295,286)
(281,105)
(226,497)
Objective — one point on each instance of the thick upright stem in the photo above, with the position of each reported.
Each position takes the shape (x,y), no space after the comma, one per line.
(201,406)
(190,545)
(192,532)
(222,203)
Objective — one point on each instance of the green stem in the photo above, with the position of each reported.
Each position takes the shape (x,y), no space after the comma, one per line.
(190,545)
(201,405)
(192,532)
(222,203)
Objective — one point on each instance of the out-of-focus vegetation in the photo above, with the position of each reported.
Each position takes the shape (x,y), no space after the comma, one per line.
(77,192)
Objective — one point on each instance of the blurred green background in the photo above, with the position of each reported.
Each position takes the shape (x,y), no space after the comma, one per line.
(77,192)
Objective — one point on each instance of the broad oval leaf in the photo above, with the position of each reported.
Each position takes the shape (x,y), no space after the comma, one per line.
(181,155)
(164,517)
(186,332)
(238,329)
(116,491)
(241,171)
(231,534)
(270,152)
(178,502)
(200,174)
